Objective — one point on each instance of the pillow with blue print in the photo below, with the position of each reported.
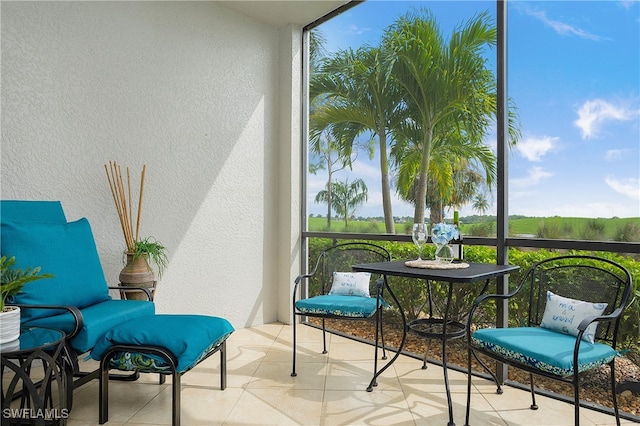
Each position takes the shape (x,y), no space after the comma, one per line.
(351,284)
(564,315)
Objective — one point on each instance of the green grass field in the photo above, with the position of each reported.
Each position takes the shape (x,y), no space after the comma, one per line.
(614,229)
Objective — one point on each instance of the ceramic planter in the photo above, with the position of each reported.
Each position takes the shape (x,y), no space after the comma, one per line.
(9,324)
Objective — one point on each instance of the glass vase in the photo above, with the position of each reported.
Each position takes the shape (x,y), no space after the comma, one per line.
(444,253)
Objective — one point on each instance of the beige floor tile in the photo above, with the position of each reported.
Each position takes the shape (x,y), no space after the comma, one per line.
(278,375)
(260,335)
(125,399)
(246,351)
(413,378)
(330,389)
(352,351)
(356,376)
(431,408)
(304,334)
(380,407)
(513,406)
(266,407)
(199,406)
(305,352)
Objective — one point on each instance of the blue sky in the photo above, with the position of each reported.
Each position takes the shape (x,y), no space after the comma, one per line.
(574,74)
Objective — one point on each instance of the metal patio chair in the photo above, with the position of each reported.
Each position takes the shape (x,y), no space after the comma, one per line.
(575,304)
(341,296)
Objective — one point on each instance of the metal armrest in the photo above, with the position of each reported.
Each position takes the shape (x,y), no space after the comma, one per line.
(126,289)
(603,318)
(77,315)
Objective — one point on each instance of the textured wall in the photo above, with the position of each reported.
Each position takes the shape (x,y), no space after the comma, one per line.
(188,88)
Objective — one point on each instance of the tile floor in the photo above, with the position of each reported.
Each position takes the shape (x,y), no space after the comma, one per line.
(329,390)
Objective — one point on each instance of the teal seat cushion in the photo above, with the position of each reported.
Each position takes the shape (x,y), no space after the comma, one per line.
(32,211)
(345,306)
(542,348)
(98,319)
(66,250)
(188,337)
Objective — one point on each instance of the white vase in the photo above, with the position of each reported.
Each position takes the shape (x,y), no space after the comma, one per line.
(9,324)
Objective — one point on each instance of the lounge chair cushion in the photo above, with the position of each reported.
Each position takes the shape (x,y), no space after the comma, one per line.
(98,319)
(545,349)
(66,250)
(32,211)
(347,306)
(188,337)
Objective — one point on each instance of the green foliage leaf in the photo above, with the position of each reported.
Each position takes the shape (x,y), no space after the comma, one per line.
(12,280)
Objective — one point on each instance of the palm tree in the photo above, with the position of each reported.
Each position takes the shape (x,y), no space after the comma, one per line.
(330,158)
(358,99)
(456,170)
(450,100)
(330,154)
(317,50)
(480,203)
(345,197)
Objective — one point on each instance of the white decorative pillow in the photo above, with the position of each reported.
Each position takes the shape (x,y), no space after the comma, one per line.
(564,315)
(351,284)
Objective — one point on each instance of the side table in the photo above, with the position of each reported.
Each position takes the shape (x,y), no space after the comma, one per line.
(37,392)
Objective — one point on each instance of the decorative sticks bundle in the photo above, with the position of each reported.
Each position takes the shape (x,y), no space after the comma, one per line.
(124,201)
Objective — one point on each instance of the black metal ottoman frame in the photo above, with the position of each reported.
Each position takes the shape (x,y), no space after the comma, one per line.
(172,362)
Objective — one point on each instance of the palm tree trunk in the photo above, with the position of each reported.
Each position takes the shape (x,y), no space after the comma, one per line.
(329,192)
(386,188)
(421,194)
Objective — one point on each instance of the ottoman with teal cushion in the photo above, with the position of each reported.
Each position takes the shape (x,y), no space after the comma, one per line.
(164,344)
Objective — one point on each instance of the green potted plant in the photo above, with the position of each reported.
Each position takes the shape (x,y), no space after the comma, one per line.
(11,282)
(153,250)
(140,252)
(138,272)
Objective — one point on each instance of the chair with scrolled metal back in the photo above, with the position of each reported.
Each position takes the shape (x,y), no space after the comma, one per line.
(575,305)
(343,294)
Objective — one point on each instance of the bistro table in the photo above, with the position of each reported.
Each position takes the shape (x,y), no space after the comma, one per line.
(45,398)
(437,328)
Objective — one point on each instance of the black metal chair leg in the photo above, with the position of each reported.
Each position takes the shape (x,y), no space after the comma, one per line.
(534,406)
(293,368)
(468,412)
(223,366)
(324,338)
(613,391)
(103,395)
(175,409)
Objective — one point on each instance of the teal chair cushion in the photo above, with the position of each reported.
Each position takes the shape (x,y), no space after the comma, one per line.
(66,250)
(188,337)
(542,348)
(32,211)
(98,319)
(346,306)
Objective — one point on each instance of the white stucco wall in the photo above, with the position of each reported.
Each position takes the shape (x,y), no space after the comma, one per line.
(200,94)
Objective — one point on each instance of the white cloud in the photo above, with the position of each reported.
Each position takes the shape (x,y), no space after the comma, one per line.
(593,114)
(534,148)
(615,154)
(356,30)
(559,27)
(628,187)
(627,4)
(368,171)
(534,176)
